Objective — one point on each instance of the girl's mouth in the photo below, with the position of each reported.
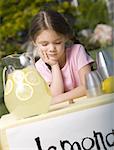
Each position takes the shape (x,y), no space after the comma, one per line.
(52,55)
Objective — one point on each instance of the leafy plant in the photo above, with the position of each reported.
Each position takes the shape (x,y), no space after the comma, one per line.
(15,17)
(91,13)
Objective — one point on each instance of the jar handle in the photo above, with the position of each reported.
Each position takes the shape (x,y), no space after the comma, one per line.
(4,77)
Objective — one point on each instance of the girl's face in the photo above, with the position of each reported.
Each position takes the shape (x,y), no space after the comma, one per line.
(52,43)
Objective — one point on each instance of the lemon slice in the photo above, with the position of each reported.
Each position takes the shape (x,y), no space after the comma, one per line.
(9,86)
(18,76)
(24,92)
(32,78)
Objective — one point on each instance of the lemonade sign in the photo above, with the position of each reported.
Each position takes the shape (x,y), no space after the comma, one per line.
(26,93)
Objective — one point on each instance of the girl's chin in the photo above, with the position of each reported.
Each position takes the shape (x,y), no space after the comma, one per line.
(52,57)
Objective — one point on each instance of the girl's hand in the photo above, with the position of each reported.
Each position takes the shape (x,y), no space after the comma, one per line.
(51,60)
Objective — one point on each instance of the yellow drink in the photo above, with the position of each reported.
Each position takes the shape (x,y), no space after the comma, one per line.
(108,85)
(26,93)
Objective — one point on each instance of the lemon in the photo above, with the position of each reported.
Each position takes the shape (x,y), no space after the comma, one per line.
(32,78)
(18,76)
(108,85)
(9,86)
(24,92)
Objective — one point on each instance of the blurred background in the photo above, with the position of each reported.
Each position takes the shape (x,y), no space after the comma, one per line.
(92,21)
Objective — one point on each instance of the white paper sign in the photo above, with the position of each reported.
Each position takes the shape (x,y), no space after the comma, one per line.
(89,129)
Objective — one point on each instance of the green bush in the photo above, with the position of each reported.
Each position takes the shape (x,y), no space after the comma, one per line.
(15,19)
(15,16)
(91,13)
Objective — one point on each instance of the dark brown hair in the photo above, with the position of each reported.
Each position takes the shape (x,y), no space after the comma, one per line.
(50,20)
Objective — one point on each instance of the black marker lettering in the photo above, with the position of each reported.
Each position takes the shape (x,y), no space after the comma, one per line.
(71,145)
(96,134)
(92,143)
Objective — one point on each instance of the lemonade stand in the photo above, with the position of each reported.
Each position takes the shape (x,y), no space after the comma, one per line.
(34,124)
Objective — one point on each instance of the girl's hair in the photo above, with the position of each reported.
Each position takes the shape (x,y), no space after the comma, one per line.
(50,20)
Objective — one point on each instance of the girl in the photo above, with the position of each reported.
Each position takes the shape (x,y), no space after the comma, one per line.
(62,67)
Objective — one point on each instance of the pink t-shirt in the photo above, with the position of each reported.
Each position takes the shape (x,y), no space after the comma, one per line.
(76,58)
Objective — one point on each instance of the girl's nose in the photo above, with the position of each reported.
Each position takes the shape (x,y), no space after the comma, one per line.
(52,48)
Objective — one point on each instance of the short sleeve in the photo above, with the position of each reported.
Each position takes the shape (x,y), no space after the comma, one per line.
(44,71)
(82,57)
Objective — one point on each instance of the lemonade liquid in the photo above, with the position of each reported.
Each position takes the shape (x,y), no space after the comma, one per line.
(108,85)
(26,93)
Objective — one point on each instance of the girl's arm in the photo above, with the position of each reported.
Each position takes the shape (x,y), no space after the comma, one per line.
(76,92)
(57,86)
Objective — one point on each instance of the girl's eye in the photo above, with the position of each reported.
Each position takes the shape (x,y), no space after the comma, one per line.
(58,42)
(44,44)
